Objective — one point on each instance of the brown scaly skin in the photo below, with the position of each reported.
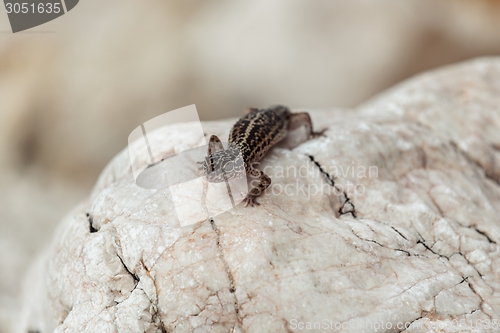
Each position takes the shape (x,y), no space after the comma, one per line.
(249,140)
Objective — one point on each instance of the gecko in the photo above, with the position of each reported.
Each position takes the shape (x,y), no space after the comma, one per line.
(250,139)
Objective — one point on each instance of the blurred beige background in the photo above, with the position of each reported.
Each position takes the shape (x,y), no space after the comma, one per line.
(73,89)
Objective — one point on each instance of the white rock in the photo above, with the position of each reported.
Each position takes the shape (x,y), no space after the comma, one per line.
(417,241)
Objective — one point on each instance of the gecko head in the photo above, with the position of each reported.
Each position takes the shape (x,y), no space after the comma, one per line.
(224,165)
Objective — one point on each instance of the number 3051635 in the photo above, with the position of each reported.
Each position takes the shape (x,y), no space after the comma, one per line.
(25,8)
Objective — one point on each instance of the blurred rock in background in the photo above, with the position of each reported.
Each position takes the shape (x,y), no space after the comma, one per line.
(73,89)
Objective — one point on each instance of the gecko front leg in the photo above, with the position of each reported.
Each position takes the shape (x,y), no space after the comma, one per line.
(214,145)
(265,181)
(295,120)
(250,110)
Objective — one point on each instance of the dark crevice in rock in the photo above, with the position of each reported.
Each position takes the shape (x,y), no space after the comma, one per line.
(431,250)
(158,322)
(33,331)
(384,246)
(473,311)
(329,179)
(118,250)
(156,314)
(477,294)
(404,251)
(347,207)
(232,286)
(470,264)
(91,221)
(484,234)
(400,234)
(448,257)
(420,241)
(136,278)
(148,273)
(372,241)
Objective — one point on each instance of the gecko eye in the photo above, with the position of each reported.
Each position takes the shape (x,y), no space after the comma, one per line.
(229,167)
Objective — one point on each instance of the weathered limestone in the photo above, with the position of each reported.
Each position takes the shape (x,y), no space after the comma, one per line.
(392,218)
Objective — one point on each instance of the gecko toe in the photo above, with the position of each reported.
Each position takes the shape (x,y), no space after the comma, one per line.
(251,201)
(318,134)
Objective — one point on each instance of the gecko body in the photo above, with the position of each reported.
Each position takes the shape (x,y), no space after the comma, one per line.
(250,139)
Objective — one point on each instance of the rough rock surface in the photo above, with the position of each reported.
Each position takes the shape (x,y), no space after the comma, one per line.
(392,218)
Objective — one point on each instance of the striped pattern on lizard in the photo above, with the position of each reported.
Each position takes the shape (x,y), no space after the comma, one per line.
(249,140)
